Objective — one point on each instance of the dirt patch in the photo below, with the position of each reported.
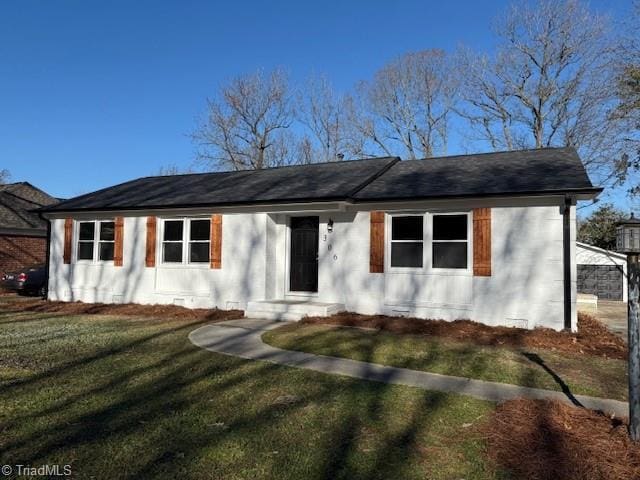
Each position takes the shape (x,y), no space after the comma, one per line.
(592,337)
(539,439)
(79,308)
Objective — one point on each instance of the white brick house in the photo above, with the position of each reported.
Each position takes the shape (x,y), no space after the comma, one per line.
(487,237)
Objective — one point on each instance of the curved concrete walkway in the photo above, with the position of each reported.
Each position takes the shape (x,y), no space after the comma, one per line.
(242,338)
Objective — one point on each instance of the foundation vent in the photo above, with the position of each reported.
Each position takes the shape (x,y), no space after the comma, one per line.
(117,298)
(517,323)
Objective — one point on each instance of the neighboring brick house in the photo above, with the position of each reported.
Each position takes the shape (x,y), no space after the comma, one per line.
(23,234)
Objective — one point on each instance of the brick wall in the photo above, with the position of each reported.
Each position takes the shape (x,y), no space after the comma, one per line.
(18,252)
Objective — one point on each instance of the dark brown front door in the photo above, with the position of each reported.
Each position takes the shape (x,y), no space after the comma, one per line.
(304,254)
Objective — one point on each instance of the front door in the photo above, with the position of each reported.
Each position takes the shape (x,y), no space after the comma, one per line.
(303,275)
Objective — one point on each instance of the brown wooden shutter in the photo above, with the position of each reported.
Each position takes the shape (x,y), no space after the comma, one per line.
(68,239)
(482,242)
(376,246)
(150,259)
(216,241)
(118,240)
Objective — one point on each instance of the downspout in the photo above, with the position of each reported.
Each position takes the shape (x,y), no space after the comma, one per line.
(566,260)
(46,264)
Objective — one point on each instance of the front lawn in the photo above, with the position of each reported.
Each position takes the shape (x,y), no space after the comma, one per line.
(129,396)
(531,367)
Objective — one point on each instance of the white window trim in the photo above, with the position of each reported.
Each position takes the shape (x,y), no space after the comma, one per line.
(96,241)
(186,235)
(427,248)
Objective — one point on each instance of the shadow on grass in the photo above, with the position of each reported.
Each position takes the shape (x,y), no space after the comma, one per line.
(151,401)
(535,358)
(457,358)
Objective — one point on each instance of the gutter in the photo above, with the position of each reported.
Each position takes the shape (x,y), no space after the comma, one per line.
(566,260)
(587,193)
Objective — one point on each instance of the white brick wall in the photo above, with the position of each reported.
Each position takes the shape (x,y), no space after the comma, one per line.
(525,286)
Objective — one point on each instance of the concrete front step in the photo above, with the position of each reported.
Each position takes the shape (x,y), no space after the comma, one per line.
(266,315)
(290,309)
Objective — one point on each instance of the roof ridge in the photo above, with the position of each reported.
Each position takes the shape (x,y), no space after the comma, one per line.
(4,189)
(17,213)
(271,168)
(541,171)
(374,176)
(498,152)
(20,197)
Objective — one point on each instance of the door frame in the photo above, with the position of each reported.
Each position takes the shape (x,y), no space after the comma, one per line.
(287,276)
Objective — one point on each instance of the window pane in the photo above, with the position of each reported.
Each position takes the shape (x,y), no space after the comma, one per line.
(107,230)
(199,252)
(407,254)
(450,255)
(86,230)
(85,251)
(172,252)
(106,251)
(449,227)
(406,228)
(173,230)
(200,229)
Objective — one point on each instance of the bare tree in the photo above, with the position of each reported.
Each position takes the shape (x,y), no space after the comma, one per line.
(628,90)
(406,108)
(173,169)
(246,125)
(548,84)
(5,176)
(629,65)
(322,111)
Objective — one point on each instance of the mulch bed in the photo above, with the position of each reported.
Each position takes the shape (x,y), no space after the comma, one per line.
(592,337)
(159,311)
(540,439)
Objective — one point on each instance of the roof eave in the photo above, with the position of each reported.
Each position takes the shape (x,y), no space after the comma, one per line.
(150,208)
(23,232)
(579,194)
(620,256)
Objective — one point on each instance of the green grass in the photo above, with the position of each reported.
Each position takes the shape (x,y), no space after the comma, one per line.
(583,374)
(130,397)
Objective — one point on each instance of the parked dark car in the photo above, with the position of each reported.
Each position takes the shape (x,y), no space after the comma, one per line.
(28,281)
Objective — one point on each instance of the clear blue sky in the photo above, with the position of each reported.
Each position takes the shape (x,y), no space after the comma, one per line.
(95,93)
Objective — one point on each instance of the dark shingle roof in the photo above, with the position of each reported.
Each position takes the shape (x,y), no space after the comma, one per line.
(315,182)
(536,171)
(17,204)
(540,171)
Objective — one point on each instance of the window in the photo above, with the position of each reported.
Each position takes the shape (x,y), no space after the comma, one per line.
(407,241)
(96,237)
(450,241)
(86,236)
(107,241)
(194,233)
(172,241)
(199,233)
